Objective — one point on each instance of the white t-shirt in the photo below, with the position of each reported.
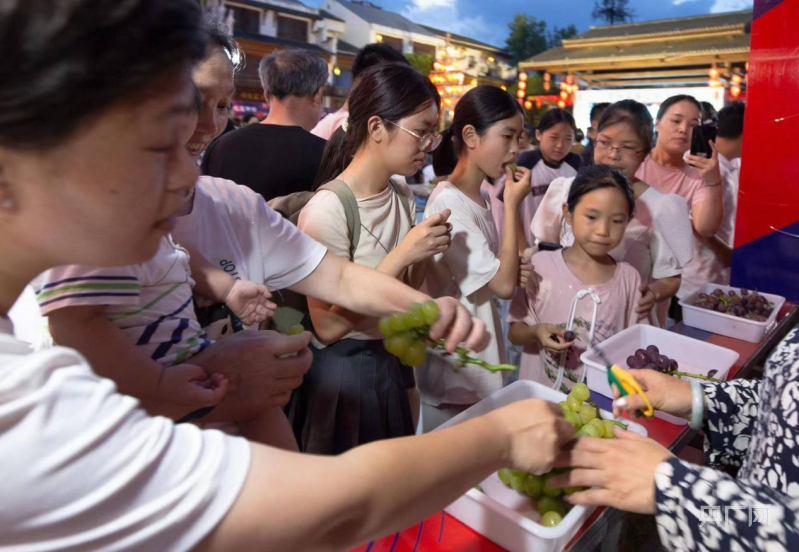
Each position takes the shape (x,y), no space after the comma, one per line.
(234,229)
(384,224)
(543,173)
(463,272)
(85,469)
(150,302)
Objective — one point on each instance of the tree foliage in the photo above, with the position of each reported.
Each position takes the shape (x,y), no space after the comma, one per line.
(421,62)
(612,11)
(529,37)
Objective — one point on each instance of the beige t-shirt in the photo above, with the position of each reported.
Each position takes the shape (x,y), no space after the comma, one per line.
(384,223)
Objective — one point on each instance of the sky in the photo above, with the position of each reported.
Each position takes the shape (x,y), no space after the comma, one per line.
(487,20)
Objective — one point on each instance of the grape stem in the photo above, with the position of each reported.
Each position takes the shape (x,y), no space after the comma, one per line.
(464,358)
(695,376)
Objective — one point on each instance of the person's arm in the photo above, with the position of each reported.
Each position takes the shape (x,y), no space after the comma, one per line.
(505,281)
(525,328)
(332,321)
(708,214)
(305,502)
(722,250)
(172,392)
(371,293)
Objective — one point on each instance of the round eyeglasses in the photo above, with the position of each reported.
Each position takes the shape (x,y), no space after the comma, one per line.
(428,142)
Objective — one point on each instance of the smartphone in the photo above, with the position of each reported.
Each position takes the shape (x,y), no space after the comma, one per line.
(699,140)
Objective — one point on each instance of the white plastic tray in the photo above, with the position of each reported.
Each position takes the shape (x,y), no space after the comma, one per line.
(503,515)
(693,356)
(727,324)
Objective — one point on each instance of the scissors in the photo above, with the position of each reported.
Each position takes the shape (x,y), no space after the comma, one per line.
(626,384)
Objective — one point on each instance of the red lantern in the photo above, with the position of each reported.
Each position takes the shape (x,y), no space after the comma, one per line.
(561,104)
(735,91)
(564,94)
(528,104)
(522,76)
(546,86)
(520,93)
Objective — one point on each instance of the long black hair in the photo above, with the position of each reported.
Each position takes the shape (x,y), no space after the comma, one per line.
(481,108)
(666,105)
(597,177)
(63,63)
(634,114)
(389,90)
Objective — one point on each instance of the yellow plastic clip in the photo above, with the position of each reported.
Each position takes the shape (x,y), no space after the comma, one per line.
(628,385)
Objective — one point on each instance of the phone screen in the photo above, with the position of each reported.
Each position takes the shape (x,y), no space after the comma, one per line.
(699,140)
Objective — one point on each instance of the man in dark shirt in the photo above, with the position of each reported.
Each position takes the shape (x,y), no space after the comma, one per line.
(279,156)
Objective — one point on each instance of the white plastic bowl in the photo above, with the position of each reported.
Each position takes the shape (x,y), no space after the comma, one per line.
(727,324)
(693,356)
(503,515)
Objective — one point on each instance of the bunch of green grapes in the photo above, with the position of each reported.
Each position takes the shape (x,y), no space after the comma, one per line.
(407,336)
(584,415)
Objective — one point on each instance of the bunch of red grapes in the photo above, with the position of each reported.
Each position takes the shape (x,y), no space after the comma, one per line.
(749,304)
(652,359)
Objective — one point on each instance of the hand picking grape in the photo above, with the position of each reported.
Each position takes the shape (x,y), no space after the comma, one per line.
(587,420)
(407,336)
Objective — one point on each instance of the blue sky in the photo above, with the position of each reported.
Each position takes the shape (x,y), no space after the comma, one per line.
(487,20)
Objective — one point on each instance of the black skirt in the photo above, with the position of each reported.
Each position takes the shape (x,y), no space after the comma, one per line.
(354,393)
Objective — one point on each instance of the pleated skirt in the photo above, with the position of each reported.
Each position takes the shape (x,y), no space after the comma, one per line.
(354,393)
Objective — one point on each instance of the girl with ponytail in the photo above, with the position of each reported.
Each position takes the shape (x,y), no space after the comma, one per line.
(356,392)
(483,141)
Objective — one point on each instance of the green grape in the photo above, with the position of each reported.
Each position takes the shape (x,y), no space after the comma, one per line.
(587,413)
(581,391)
(548,504)
(608,427)
(517,481)
(588,430)
(398,344)
(417,312)
(397,322)
(551,519)
(571,490)
(385,326)
(415,354)
(296,329)
(534,486)
(573,419)
(430,312)
(564,406)
(599,424)
(414,320)
(574,403)
(505,475)
(548,489)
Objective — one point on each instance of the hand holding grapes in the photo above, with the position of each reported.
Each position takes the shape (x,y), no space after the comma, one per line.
(552,338)
(427,238)
(517,185)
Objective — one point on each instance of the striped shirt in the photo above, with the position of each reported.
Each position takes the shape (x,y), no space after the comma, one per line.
(150,302)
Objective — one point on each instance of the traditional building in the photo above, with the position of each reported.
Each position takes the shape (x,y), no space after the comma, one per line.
(480,61)
(706,56)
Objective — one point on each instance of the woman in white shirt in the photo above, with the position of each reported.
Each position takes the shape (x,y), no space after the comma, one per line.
(658,240)
(92,98)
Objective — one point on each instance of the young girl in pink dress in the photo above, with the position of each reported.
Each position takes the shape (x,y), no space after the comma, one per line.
(599,207)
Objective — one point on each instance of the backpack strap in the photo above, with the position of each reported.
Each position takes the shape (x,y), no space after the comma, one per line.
(350,204)
(403,201)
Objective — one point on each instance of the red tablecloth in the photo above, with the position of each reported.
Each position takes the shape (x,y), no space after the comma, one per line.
(444,533)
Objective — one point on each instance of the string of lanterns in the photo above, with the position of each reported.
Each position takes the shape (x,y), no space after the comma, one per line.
(448,79)
(736,79)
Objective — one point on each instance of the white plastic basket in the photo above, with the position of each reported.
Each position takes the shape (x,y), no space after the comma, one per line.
(503,515)
(727,324)
(693,356)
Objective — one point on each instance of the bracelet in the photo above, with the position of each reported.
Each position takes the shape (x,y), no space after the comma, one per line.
(697,405)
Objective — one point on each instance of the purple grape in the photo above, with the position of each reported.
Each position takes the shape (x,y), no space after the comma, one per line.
(653,351)
(744,292)
(712,373)
(731,293)
(703,296)
(569,336)
(642,357)
(673,365)
(662,362)
(652,366)
(632,362)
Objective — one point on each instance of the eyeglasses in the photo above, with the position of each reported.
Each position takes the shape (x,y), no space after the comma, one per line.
(628,151)
(428,142)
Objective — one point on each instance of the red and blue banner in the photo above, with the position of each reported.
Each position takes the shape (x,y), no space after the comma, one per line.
(766,253)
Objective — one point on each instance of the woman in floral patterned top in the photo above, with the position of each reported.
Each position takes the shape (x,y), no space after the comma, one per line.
(751,425)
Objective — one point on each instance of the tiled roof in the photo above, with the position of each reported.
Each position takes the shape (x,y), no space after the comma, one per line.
(669,26)
(280,42)
(466,40)
(378,16)
(347,49)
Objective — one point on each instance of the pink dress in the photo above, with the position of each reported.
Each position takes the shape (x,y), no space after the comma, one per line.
(548,299)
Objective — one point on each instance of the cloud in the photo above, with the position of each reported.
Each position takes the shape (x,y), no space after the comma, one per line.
(445,15)
(680,2)
(720,6)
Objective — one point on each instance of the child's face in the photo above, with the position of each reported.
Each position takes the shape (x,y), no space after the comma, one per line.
(498,146)
(556,142)
(599,220)
(401,150)
(619,147)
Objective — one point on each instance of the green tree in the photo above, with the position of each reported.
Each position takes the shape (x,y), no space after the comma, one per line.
(528,37)
(612,11)
(558,35)
(422,62)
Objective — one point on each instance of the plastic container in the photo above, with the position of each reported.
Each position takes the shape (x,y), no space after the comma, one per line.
(727,324)
(693,356)
(503,515)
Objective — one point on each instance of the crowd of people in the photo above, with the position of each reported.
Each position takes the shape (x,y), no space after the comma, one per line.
(166,417)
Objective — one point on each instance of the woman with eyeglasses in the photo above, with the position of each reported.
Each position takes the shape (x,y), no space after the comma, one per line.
(355,391)
(658,240)
(483,141)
